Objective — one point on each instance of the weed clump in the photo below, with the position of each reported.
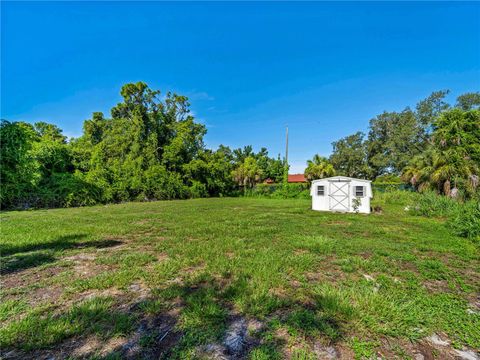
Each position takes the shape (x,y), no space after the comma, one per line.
(466,221)
(432,205)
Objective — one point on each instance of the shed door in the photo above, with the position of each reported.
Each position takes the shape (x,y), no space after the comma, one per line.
(339,195)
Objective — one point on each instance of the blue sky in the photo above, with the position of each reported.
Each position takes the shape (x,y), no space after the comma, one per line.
(249,68)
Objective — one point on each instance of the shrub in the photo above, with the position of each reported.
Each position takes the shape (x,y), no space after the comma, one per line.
(430,204)
(197,190)
(466,222)
(62,190)
(262,190)
(398,197)
(265,189)
(389,187)
(389,182)
(463,217)
(388,179)
(292,191)
(80,192)
(279,191)
(356,203)
(160,184)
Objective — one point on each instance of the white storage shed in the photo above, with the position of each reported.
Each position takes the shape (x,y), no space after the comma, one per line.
(341,193)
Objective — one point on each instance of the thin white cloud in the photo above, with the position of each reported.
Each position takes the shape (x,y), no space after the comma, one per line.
(199,95)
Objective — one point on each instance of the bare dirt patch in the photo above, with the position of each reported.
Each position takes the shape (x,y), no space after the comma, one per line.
(193,269)
(84,348)
(343,352)
(298,252)
(295,284)
(238,340)
(139,291)
(474,304)
(438,346)
(45,294)
(85,265)
(437,286)
(161,256)
(187,273)
(143,222)
(279,292)
(89,294)
(327,272)
(366,255)
(339,222)
(32,286)
(325,352)
(153,339)
(29,277)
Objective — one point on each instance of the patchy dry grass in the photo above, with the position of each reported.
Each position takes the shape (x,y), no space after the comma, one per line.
(183,279)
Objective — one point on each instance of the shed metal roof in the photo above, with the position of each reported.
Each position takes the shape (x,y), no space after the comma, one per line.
(340,178)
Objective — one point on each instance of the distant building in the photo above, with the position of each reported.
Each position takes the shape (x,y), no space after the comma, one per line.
(296,178)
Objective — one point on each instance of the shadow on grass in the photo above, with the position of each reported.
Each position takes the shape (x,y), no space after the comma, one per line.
(37,331)
(61,243)
(207,317)
(84,331)
(24,261)
(191,318)
(22,257)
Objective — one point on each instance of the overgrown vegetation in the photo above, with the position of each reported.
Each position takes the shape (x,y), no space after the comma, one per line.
(167,280)
(152,148)
(462,216)
(149,149)
(466,221)
(280,191)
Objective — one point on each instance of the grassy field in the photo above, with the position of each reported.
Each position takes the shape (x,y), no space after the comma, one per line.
(236,278)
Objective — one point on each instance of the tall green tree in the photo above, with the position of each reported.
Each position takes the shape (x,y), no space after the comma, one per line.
(213,169)
(428,110)
(248,173)
(394,138)
(452,161)
(17,171)
(50,132)
(349,156)
(468,101)
(270,167)
(144,133)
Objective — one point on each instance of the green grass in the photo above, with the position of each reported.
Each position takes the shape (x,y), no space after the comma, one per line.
(348,280)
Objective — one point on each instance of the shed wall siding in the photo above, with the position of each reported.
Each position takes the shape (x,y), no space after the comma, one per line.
(323,203)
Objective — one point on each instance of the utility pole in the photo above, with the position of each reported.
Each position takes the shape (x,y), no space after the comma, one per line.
(286,150)
(285,173)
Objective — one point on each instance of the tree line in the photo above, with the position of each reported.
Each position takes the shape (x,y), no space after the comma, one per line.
(151,148)
(435,146)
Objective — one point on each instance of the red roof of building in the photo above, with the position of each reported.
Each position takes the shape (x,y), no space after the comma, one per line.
(296,178)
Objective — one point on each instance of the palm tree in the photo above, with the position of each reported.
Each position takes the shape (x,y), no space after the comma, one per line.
(418,171)
(248,173)
(439,170)
(453,165)
(319,167)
